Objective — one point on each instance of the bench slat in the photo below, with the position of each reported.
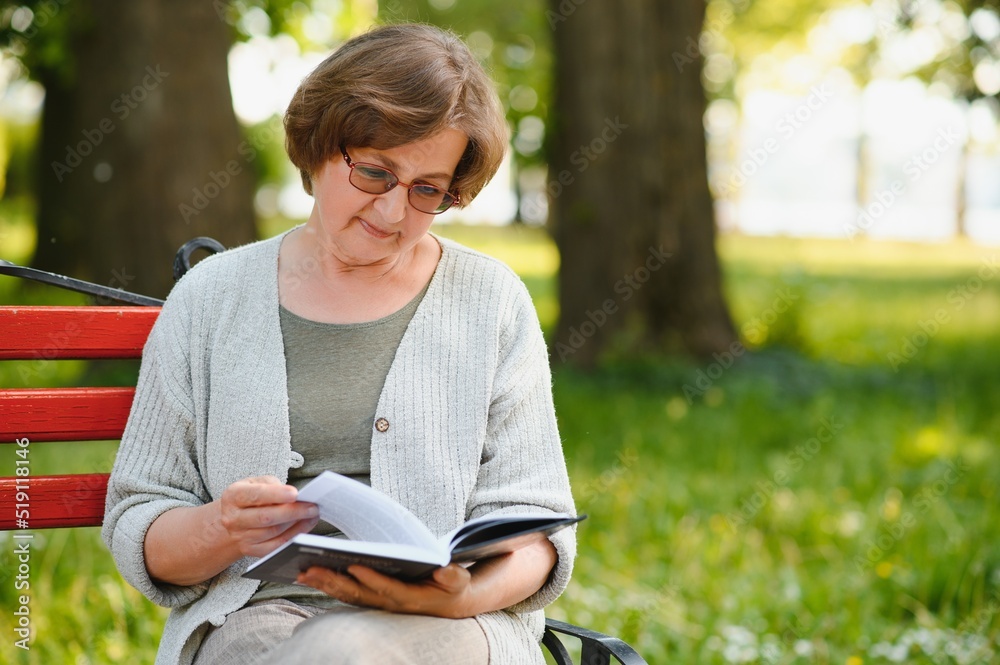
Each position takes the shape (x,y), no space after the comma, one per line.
(55,501)
(64,414)
(54,333)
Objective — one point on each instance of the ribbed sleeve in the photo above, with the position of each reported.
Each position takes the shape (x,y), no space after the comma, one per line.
(522,466)
(146,483)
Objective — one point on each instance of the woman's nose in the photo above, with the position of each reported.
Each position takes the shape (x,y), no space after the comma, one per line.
(392,205)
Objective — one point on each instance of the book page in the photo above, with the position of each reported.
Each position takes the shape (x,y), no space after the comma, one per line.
(457,535)
(489,536)
(363,513)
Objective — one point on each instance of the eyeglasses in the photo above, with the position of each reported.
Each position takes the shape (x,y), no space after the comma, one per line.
(373,179)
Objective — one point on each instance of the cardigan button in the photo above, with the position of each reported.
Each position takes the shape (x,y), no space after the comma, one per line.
(382,425)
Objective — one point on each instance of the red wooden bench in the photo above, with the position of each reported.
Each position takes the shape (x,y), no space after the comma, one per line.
(65,414)
(32,415)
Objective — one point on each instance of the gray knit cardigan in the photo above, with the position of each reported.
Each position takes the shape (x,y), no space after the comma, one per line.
(472,429)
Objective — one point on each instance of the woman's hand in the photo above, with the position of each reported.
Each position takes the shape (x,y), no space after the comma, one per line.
(189,545)
(259,514)
(447,593)
(453,592)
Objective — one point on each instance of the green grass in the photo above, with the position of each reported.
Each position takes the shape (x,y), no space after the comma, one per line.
(819,501)
(734,526)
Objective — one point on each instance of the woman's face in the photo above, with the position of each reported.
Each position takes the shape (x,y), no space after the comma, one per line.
(368,229)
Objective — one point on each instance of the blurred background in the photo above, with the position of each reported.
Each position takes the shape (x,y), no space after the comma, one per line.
(762,237)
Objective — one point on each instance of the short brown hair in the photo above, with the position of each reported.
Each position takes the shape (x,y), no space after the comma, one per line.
(391,86)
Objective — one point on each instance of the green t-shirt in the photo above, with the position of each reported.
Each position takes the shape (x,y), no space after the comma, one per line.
(335,376)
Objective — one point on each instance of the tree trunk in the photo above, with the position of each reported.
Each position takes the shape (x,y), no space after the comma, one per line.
(863,195)
(631,210)
(141,150)
(961,187)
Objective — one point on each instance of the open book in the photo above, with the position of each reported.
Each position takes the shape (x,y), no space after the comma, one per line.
(385,536)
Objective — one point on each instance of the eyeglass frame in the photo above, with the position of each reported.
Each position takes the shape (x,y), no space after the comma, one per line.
(455,198)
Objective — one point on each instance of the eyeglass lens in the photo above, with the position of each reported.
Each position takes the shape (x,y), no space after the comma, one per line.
(377,180)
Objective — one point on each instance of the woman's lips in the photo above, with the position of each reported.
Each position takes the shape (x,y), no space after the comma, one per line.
(372,230)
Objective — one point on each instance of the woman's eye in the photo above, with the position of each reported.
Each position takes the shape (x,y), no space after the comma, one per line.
(428,191)
(373,173)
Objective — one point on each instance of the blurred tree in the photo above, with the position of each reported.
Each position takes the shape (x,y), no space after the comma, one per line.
(741,36)
(513,42)
(953,46)
(140,148)
(630,205)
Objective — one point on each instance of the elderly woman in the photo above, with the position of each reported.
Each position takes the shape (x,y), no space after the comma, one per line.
(357,342)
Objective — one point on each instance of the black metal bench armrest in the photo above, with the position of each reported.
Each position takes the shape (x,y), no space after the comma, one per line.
(182,263)
(598,649)
(78,285)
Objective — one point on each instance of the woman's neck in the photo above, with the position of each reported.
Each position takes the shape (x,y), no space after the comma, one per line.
(317,284)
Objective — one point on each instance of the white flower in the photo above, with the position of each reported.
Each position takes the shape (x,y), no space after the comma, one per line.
(803,648)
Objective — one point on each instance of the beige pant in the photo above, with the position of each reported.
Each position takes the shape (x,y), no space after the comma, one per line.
(281,631)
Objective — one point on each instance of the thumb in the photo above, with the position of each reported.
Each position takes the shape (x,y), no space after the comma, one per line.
(451,575)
